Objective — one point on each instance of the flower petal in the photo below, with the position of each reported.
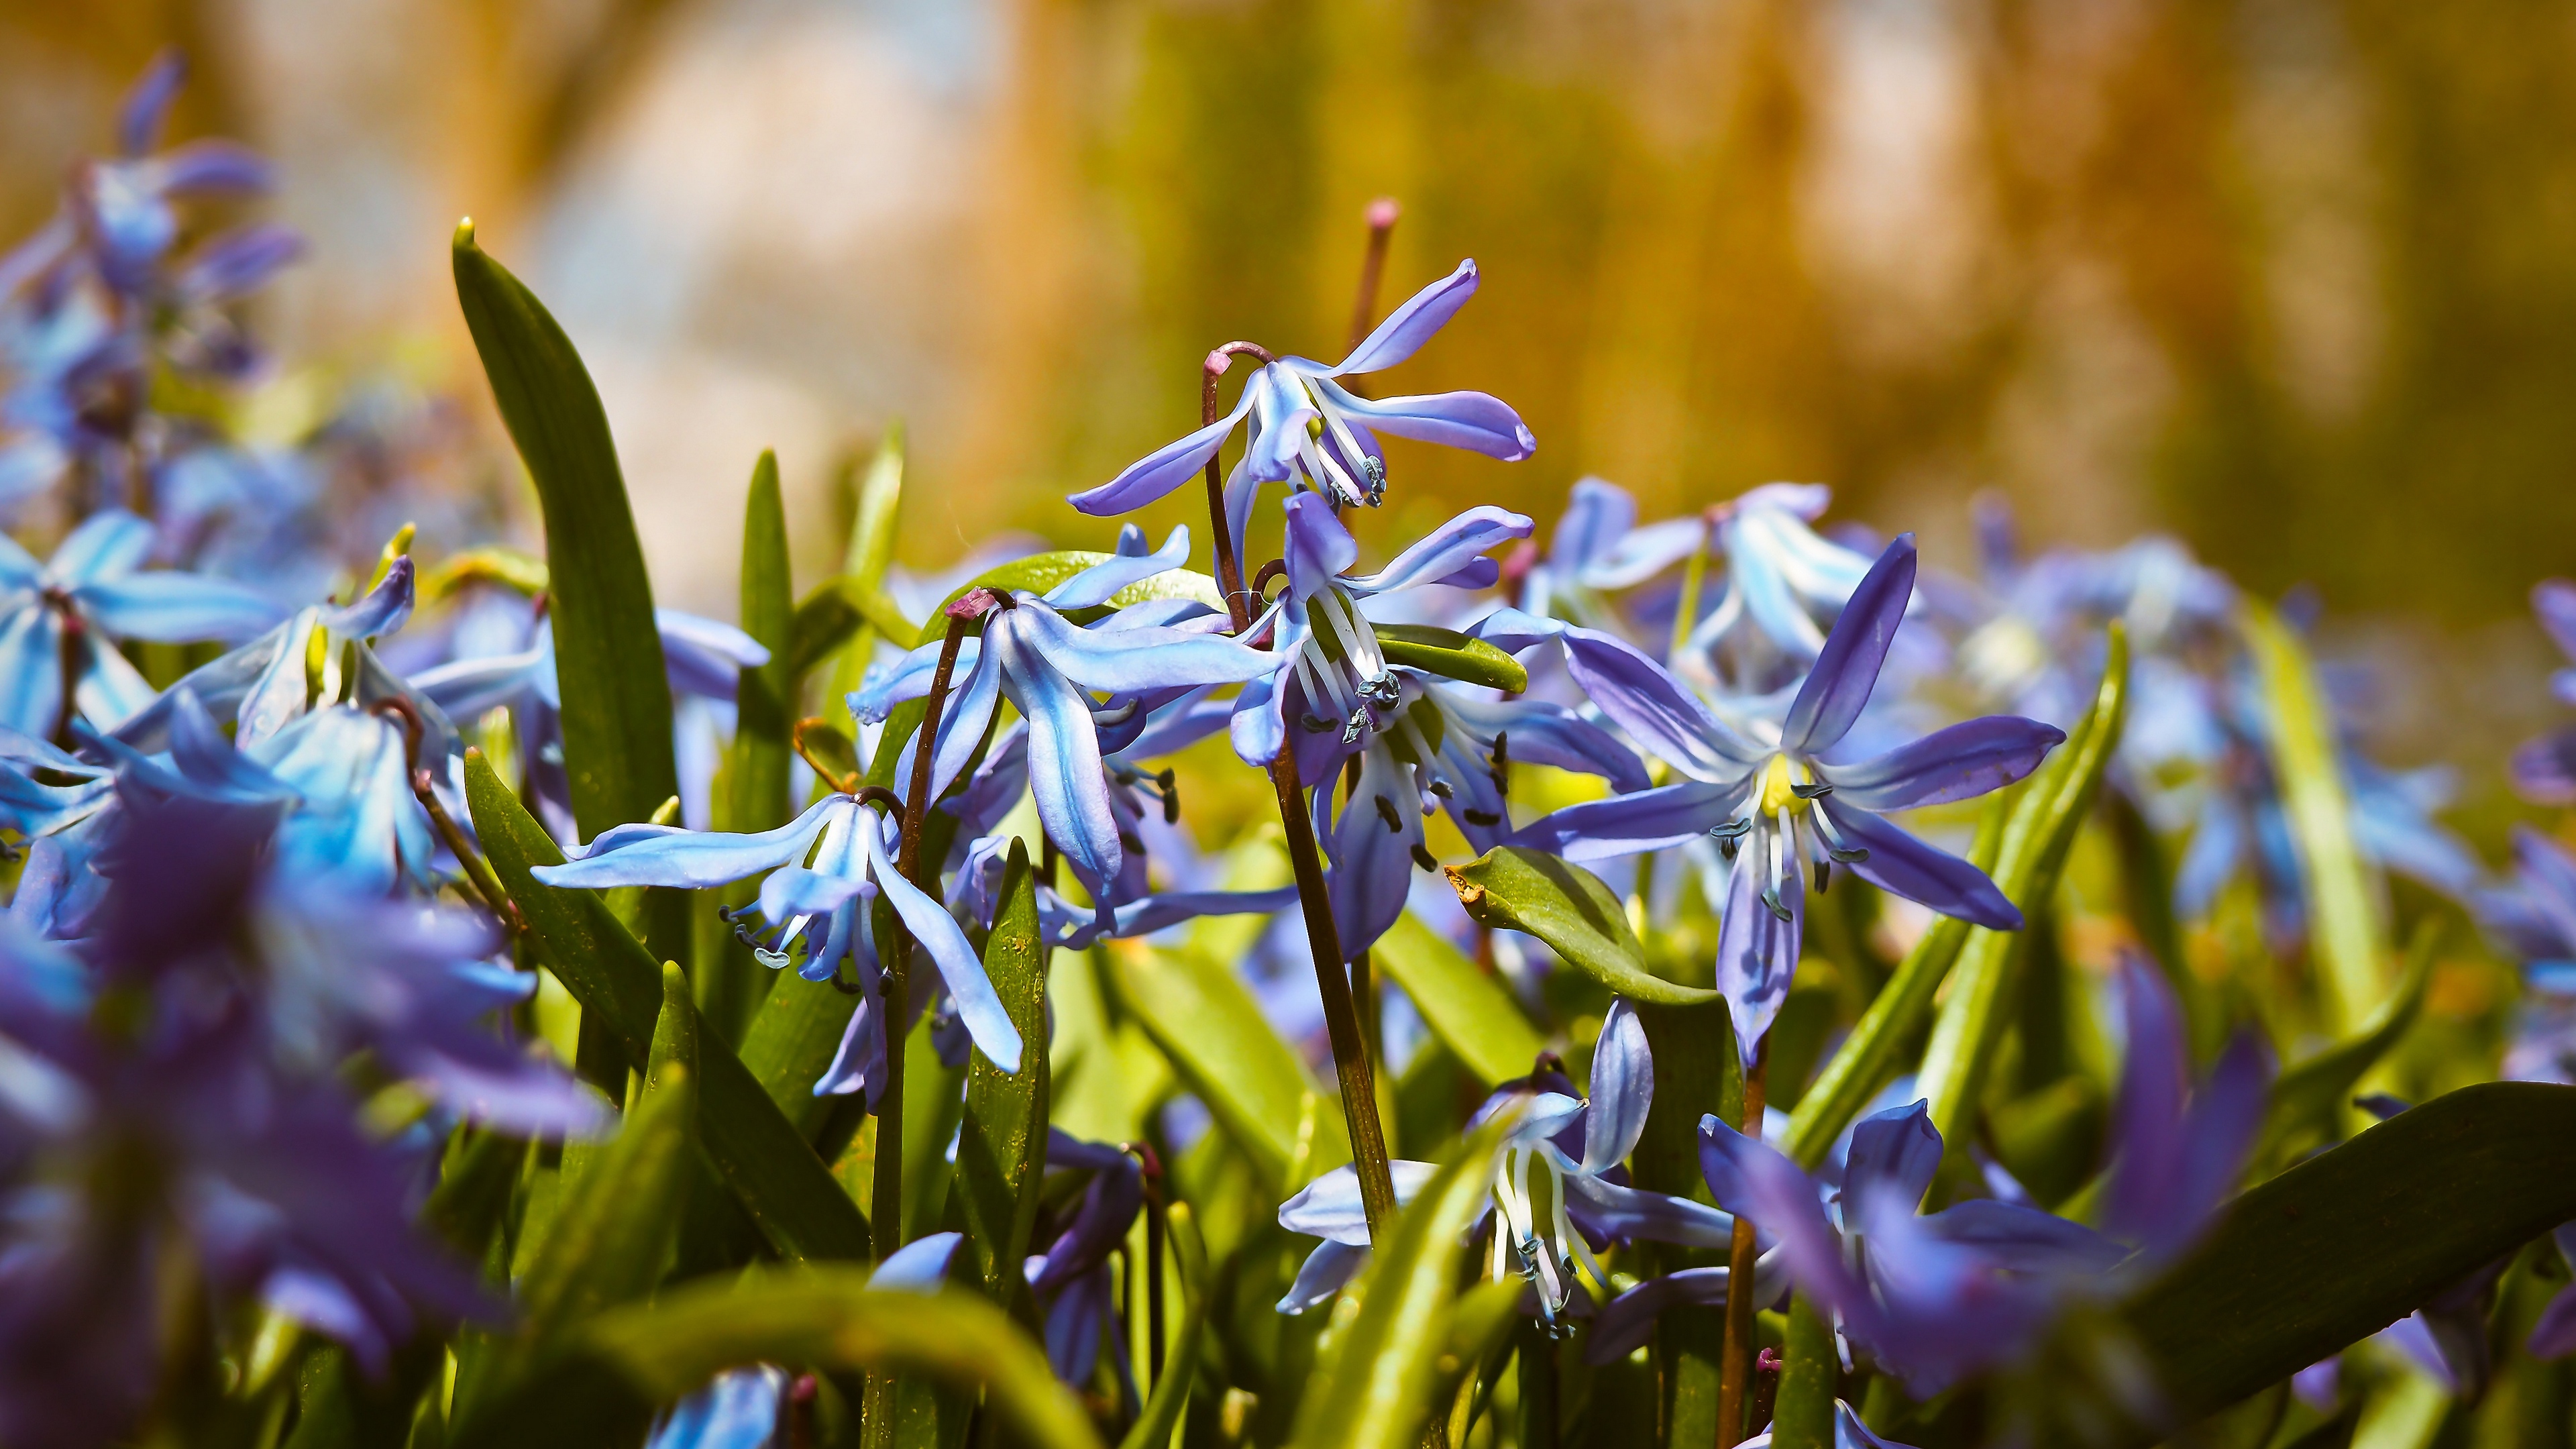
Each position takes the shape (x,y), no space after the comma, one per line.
(919,1266)
(176,608)
(1901,863)
(1329,1207)
(1626,1322)
(1164,469)
(1644,553)
(1445,550)
(110,542)
(1315,547)
(1757,951)
(1657,712)
(935,931)
(1409,326)
(1846,670)
(1623,1089)
(1475,421)
(693,858)
(1630,1214)
(1629,824)
(1373,846)
(1893,1156)
(1132,661)
(1323,1275)
(31,670)
(1101,582)
(1958,763)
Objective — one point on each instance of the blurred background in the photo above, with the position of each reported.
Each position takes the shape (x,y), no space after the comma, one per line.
(2294,280)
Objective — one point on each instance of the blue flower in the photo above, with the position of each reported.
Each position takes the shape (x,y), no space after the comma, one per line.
(1539,1235)
(1311,432)
(1598,548)
(2544,770)
(1939,1297)
(822,869)
(1781,807)
(1144,658)
(1072,1278)
(61,619)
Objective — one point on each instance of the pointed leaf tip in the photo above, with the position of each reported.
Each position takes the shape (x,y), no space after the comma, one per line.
(464,240)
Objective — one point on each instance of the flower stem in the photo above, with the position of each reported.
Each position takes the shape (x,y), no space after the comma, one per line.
(1229,567)
(1735,1366)
(1381,222)
(885,1199)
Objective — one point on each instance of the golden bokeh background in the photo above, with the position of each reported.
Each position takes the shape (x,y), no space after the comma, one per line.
(2293,279)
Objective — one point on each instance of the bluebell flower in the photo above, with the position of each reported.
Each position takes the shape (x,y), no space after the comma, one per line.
(1785,585)
(1049,668)
(739,1409)
(1419,739)
(1936,1298)
(60,621)
(822,870)
(2534,918)
(1781,807)
(1072,1279)
(1560,1195)
(1312,433)
(1598,548)
(2544,769)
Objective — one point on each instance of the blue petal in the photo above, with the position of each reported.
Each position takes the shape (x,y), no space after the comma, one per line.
(1324,1273)
(1654,819)
(1645,553)
(1258,728)
(1279,425)
(919,1266)
(1475,421)
(1598,514)
(1847,669)
(2019,1239)
(1757,952)
(238,262)
(1101,582)
(1372,847)
(1164,469)
(792,891)
(1893,1155)
(1132,661)
(1445,550)
(384,609)
(1512,631)
(1626,1322)
(110,542)
(176,608)
(1957,763)
(936,932)
(1330,1208)
(740,1410)
(1900,863)
(1623,1090)
(1148,914)
(1066,777)
(1631,1214)
(18,568)
(693,858)
(1315,546)
(1542,733)
(466,688)
(1409,326)
(31,670)
(1656,711)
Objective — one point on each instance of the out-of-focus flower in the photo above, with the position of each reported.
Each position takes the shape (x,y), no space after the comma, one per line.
(60,622)
(2545,769)
(2535,918)
(1541,1233)
(1779,808)
(1310,431)
(1072,1278)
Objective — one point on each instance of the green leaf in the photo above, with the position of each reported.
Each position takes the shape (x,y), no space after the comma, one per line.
(792,1039)
(1372,1388)
(1220,1045)
(1802,1417)
(633,1359)
(608,655)
(761,1156)
(1697,1072)
(507,567)
(1567,907)
(1040,572)
(1468,1011)
(1451,655)
(1153,1427)
(834,614)
(2307,1099)
(2037,838)
(2344,929)
(1001,1144)
(2353,1239)
(730,983)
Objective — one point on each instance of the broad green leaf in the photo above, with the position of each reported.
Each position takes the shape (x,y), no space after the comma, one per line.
(2343,924)
(1567,907)
(2307,1098)
(2353,1239)
(1153,1428)
(1001,1145)
(608,656)
(934,1104)
(2037,837)
(1217,1040)
(1372,1389)
(729,982)
(1802,1416)
(761,1156)
(1697,1072)
(1470,1012)
(1451,655)
(791,1041)
(871,546)
(632,1360)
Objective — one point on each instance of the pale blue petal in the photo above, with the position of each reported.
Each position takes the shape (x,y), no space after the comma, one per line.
(1475,421)
(937,934)
(176,608)
(1101,582)
(108,543)
(31,671)
(1409,326)
(919,1266)
(1315,546)
(1164,469)
(1132,661)
(1447,549)
(792,891)
(1324,1273)
(1646,820)
(693,858)
(1329,1207)
(1644,553)
(1623,1090)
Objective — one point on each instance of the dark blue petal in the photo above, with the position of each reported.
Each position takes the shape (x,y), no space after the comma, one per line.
(1409,326)
(1847,668)
(1654,819)
(1900,863)
(1475,421)
(1657,712)
(1445,550)
(1894,1154)
(1958,763)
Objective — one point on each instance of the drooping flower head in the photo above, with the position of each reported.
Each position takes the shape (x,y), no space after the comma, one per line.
(1783,808)
(1312,433)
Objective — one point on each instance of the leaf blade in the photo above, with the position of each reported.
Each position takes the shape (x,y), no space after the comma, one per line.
(1470,1012)
(1569,908)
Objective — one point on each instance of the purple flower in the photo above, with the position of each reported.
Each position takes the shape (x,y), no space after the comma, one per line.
(2535,919)
(1937,1298)
(1781,808)
(1599,548)
(1311,432)
(1540,1235)
(1071,1279)
(2544,770)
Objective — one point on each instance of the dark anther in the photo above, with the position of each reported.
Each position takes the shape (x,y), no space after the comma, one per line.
(1771,898)
(1816,791)
(1443,789)
(1483,817)
(1386,812)
(1315,724)
(1171,784)
(1727,845)
(1731,830)
(1849,854)
(1824,875)
(1129,839)
(1423,857)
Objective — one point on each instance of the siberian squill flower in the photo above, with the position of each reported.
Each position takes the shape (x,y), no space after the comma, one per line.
(1071,1278)
(1309,431)
(1049,668)
(1784,584)
(2535,918)
(1598,548)
(1560,1195)
(60,622)
(1419,739)
(1939,1297)
(2544,770)
(1781,807)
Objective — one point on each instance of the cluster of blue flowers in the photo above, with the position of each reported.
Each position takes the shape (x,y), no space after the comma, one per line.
(258,984)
